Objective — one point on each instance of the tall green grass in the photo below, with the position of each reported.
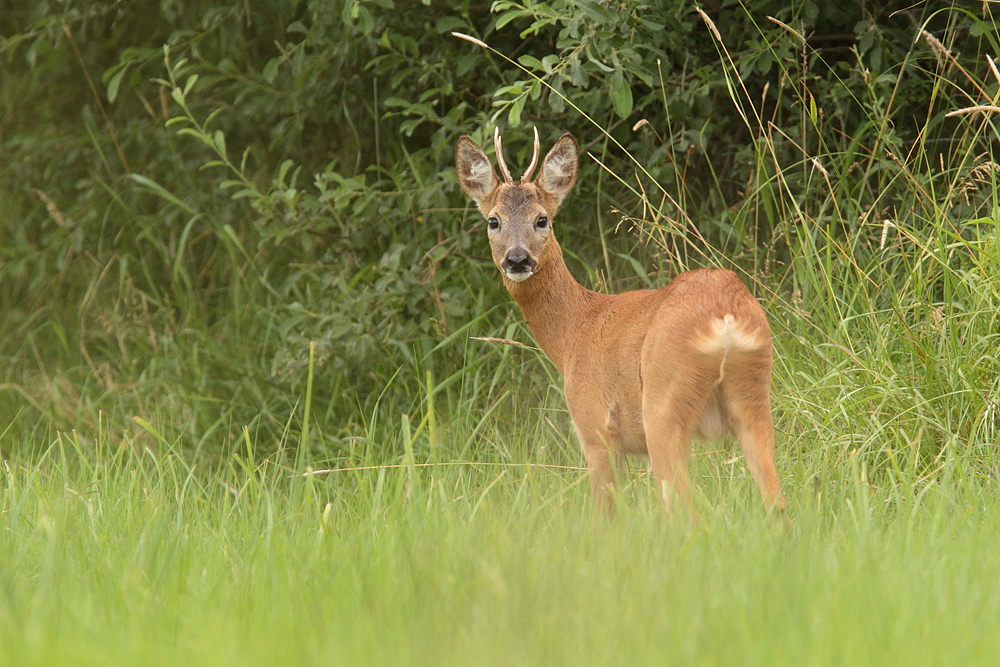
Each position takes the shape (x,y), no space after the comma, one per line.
(114,554)
(883,275)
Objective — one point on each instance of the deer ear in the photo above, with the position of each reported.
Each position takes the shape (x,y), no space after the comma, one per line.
(475,173)
(559,168)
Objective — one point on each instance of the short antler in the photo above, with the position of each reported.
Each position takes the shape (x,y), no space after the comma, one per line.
(534,161)
(498,146)
(499,151)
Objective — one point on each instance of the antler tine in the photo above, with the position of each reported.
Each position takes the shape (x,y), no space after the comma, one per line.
(534,161)
(499,150)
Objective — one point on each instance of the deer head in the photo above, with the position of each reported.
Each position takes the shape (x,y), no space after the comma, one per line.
(519,215)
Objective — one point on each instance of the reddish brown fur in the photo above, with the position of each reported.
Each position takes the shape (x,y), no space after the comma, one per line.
(643,371)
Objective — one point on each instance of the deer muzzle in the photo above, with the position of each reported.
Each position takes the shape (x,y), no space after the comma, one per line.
(518,265)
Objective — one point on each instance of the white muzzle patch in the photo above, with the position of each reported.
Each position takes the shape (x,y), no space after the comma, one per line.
(519,276)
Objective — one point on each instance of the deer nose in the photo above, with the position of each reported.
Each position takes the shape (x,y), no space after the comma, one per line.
(518,261)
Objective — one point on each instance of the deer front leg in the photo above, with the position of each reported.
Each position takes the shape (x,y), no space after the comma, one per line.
(602,462)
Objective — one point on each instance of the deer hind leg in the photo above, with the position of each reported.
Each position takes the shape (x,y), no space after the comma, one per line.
(747,397)
(669,413)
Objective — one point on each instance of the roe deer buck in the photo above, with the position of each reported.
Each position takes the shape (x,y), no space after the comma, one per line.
(643,371)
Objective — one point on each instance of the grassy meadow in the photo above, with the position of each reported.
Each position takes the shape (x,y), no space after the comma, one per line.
(247,414)
(119,555)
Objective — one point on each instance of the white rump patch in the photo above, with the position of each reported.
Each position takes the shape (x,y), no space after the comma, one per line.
(726,333)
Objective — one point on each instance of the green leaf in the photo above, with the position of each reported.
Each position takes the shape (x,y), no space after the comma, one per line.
(508,17)
(597,61)
(270,71)
(244,193)
(530,61)
(577,75)
(636,265)
(556,101)
(160,191)
(363,17)
(396,103)
(191,132)
(514,115)
(211,117)
(408,126)
(595,11)
(449,23)
(535,27)
(283,170)
(193,79)
(503,91)
(114,83)
(220,141)
(621,95)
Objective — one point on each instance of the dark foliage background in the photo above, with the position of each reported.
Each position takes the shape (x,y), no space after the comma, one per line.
(193,191)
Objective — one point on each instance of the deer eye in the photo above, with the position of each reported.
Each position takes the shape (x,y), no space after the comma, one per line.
(542,222)
(493,223)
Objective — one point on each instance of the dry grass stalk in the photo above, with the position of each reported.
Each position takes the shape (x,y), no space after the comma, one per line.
(886,224)
(710,23)
(936,46)
(982,174)
(789,28)
(470,38)
(980,108)
(993,68)
(501,341)
(51,207)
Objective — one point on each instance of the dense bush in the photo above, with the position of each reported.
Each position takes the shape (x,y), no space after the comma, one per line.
(195,191)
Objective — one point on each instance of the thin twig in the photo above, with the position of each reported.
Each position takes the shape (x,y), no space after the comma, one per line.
(97,97)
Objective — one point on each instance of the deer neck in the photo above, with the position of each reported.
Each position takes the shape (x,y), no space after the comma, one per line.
(552,302)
